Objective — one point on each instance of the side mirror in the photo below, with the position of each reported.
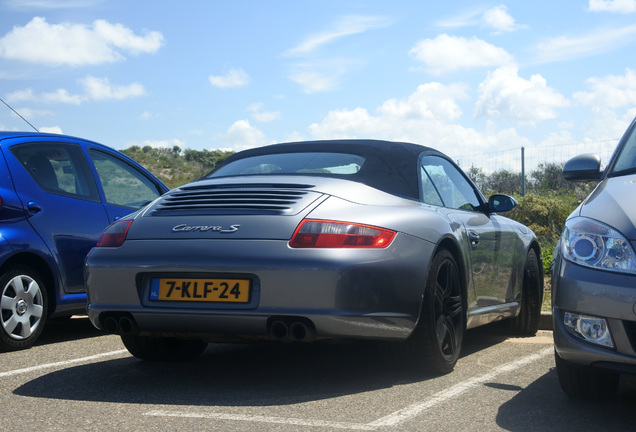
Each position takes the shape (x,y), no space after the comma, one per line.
(583,168)
(498,203)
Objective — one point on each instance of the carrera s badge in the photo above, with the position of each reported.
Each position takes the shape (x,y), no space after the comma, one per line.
(204,228)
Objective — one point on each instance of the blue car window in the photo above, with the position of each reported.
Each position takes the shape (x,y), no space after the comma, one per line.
(58,168)
(123,184)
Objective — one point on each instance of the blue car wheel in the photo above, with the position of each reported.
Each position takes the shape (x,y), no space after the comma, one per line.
(23,308)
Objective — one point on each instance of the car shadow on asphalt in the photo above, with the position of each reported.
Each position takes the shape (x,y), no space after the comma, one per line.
(67,329)
(240,375)
(542,406)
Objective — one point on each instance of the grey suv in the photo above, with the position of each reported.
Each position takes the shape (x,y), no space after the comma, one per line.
(594,277)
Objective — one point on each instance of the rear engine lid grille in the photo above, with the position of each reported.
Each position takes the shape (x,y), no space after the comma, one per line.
(243,199)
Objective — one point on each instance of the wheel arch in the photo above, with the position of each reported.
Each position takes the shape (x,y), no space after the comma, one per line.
(42,268)
(451,245)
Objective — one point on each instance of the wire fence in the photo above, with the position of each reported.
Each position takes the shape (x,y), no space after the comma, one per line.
(528,159)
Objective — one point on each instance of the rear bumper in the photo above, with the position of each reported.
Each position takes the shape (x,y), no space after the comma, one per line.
(360,294)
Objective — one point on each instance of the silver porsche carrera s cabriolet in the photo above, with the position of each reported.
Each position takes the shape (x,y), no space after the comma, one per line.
(347,239)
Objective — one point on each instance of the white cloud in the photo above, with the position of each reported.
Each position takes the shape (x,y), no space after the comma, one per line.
(466,19)
(506,95)
(263,116)
(96,89)
(566,48)
(425,117)
(430,101)
(324,74)
(61,96)
(101,89)
(454,139)
(604,125)
(450,53)
(345,26)
(20,96)
(499,19)
(121,37)
(611,91)
(30,114)
(234,78)
(51,129)
(619,6)
(320,75)
(75,44)
(242,135)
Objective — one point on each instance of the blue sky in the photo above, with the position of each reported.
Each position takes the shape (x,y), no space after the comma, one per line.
(464,77)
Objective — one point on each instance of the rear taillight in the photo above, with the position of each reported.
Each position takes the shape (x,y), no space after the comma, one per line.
(314,233)
(115,234)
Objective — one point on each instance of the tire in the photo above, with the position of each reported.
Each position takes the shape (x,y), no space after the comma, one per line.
(527,322)
(23,308)
(435,344)
(163,348)
(583,382)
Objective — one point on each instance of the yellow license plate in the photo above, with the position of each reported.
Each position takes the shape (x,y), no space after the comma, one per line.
(200,290)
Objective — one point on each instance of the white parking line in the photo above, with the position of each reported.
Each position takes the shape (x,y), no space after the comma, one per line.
(62,363)
(394,419)
(260,419)
(416,409)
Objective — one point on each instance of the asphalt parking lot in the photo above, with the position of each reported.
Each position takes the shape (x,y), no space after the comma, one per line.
(78,379)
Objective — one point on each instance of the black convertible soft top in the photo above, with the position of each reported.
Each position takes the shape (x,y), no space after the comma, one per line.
(389,166)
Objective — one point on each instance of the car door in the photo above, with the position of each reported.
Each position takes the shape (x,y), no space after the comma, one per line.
(123,185)
(60,198)
(488,238)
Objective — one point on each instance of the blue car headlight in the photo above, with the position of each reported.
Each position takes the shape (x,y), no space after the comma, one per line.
(593,244)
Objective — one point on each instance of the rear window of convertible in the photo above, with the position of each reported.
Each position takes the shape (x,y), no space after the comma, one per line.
(293,163)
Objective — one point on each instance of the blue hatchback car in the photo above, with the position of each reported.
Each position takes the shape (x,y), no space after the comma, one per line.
(57,194)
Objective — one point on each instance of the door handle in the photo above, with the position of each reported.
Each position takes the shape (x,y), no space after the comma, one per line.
(473,237)
(34,207)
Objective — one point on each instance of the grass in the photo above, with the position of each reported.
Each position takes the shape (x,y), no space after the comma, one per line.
(546,306)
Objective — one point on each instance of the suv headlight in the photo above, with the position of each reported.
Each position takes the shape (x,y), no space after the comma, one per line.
(592,244)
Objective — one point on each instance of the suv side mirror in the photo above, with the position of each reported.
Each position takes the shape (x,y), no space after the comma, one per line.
(583,168)
(498,203)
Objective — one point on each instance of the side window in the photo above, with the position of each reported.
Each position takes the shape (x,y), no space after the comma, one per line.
(449,184)
(58,168)
(429,194)
(123,184)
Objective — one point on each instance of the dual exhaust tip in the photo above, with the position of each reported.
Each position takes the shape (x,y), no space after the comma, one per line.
(292,330)
(120,324)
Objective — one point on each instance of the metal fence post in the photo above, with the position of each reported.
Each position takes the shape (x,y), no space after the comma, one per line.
(523,172)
